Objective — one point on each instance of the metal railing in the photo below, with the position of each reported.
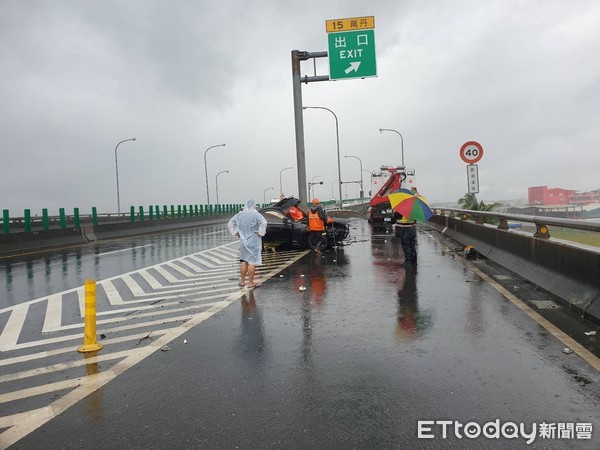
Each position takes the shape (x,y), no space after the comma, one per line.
(29,223)
(541,222)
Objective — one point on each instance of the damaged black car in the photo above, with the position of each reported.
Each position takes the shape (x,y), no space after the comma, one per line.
(287,225)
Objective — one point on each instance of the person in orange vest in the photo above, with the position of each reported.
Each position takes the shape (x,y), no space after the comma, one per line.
(316,226)
(295,213)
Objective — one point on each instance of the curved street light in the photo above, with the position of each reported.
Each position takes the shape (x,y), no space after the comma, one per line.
(206,171)
(311,185)
(381,130)
(217,182)
(117,170)
(265,195)
(362,191)
(370,172)
(337,134)
(280,184)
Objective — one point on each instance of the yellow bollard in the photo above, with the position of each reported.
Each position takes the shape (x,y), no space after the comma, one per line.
(89,333)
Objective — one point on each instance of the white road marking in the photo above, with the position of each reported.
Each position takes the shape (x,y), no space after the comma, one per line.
(114,298)
(567,340)
(53,317)
(166,274)
(12,329)
(153,282)
(63,366)
(203,261)
(135,288)
(123,250)
(187,296)
(177,268)
(73,349)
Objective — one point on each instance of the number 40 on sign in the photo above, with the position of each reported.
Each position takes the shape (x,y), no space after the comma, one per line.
(471,152)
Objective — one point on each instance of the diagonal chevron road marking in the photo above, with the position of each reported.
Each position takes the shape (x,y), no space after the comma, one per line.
(184,301)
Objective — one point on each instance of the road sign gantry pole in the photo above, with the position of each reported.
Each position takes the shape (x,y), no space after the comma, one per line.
(297,80)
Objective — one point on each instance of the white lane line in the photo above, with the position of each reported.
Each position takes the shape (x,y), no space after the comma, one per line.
(156,312)
(231,252)
(63,366)
(156,266)
(181,270)
(50,387)
(153,282)
(217,232)
(211,258)
(135,288)
(53,317)
(127,327)
(80,300)
(44,413)
(563,337)
(222,257)
(123,250)
(197,269)
(166,274)
(202,261)
(114,298)
(13,327)
(567,340)
(89,384)
(73,349)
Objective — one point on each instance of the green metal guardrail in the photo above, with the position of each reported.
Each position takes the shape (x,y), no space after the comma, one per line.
(29,223)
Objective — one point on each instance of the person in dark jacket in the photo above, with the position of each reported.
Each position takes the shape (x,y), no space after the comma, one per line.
(406,231)
(316,226)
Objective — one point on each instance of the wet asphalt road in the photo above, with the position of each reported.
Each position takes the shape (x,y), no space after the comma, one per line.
(34,275)
(354,361)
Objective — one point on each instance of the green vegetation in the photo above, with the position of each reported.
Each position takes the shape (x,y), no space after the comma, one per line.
(469,201)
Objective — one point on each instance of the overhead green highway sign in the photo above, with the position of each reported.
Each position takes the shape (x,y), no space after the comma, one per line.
(351,48)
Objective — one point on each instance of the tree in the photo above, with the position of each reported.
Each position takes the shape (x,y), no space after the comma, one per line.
(469,201)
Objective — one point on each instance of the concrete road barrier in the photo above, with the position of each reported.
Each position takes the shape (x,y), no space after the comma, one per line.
(568,271)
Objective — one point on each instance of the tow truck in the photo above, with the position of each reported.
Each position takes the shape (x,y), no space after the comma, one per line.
(380,213)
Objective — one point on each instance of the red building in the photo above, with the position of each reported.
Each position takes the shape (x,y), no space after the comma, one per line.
(542,195)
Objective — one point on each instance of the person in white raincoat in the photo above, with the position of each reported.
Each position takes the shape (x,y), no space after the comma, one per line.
(249,225)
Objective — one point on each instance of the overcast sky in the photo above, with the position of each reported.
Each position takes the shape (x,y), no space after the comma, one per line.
(520,77)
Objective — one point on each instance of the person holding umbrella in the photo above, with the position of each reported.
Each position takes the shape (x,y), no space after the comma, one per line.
(409,207)
(406,231)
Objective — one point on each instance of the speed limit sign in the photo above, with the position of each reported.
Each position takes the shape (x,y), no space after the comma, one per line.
(471,152)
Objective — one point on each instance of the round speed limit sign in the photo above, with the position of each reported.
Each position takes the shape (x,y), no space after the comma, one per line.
(471,152)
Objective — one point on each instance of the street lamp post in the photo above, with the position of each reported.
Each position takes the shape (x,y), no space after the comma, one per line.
(371,183)
(362,191)
(312,186)
(337,134)
(117,170)
(280,184)
(265,195)
(206,171)
(381,130)
(217,182)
